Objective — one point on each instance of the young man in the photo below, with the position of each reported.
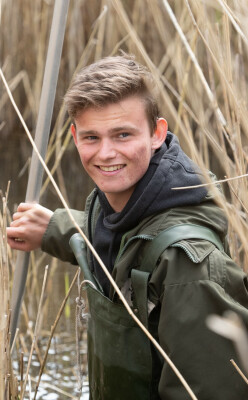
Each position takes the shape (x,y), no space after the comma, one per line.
(126,149)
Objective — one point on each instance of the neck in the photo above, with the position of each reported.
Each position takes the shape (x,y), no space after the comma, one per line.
(118,200)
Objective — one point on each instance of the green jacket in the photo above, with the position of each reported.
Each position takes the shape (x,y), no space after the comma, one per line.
(191,280)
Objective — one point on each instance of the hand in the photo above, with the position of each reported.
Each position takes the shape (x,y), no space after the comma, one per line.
(28,226)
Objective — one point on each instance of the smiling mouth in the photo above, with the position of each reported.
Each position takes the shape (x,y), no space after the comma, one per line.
(111,168)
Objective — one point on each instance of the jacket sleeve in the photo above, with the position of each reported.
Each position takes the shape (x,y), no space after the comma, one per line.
(55,240)
(191,291)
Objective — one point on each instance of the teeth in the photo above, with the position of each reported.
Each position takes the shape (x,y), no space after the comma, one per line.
(111,168)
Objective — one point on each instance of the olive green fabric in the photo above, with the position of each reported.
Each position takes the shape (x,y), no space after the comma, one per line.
(119,353)
(191,280)
(187,294)
(120,363)
(168,237)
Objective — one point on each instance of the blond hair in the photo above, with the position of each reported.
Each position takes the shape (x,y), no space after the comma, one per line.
(111,80)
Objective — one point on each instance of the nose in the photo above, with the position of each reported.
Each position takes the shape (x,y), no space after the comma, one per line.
(106,149)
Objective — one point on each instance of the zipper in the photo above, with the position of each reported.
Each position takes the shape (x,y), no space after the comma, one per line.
(189,254)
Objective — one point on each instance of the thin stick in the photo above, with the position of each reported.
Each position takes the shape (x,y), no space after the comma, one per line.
(211,183)
(29,386)
(211,97)
(219,68)
(236,26)
(21,370)
(238,198)
(239,371)
(35,332)
(55,388)
(29,328)
(53,330)
(126,305)
(156,73)
(14,340)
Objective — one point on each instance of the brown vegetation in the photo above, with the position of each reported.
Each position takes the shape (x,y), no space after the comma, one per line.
(8,382)
(197,50)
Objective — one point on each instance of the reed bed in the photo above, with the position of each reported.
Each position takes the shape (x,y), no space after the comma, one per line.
(8,381)
(34,340)
(197,51)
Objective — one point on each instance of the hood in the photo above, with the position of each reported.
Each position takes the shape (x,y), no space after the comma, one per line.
(169,168)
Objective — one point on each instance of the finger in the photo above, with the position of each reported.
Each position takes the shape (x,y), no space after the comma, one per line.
(17,244)
(14,232)
(25,206)
(21,221)
(15,238)
(17,215)
(21,210)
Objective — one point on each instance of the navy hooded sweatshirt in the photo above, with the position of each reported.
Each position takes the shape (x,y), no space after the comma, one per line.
(169,167)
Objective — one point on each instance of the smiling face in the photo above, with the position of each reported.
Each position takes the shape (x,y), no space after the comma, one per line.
(115,146)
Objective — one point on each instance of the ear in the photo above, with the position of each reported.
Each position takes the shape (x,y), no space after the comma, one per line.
(159,134)
(74,133)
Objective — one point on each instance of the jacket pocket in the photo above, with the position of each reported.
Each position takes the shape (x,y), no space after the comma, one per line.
(196,250)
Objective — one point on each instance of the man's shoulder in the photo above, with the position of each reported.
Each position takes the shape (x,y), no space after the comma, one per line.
(206,214)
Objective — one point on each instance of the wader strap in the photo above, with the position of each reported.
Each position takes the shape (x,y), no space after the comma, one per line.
(175,234)
(154,249)
(140,285)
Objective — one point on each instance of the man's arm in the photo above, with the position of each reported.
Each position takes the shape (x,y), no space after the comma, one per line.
(28,226)
(191,291)
(55,240)
(34,227)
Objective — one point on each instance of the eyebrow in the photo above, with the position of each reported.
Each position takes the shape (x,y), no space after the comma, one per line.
(87,133)
(123,128)
(92,132)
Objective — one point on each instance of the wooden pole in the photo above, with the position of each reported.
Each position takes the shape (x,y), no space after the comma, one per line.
(41,140)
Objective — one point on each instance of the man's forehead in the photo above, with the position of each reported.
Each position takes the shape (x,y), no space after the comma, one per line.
(123,104)
(120,128)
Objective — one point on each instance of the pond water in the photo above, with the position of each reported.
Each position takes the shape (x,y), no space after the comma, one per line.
(59,379)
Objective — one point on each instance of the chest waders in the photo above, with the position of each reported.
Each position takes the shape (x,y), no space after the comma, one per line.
(119,353)
(119,358)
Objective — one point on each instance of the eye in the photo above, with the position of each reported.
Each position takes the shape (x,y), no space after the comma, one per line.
(124,134)
(92,137)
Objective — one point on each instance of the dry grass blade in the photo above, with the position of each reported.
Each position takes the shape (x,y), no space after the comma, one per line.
(56,389)
(236,26)
(239,371)
(8,386)
(35,333)
(196,64)
(53,330)
(212,183)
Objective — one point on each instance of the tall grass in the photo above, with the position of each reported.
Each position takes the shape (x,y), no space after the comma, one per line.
(8,382)
(10,387)
(197,51)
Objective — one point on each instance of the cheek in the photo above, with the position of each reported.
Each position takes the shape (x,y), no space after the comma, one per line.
(84,155)
(141,159)
(144,154)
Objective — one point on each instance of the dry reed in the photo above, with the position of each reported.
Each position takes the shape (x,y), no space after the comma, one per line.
(197,51)
(8,381)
